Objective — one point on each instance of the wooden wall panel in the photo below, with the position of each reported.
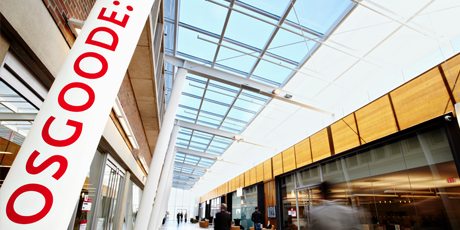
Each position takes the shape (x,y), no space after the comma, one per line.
(320,145)
(253,175)
(270,200)
(452,74)
(428,97)
(289,159)
(260,172)
(246,178)
(376,120)
(303,153)
(237,183)
(277,161)
(345,134)
(268,172)
(242,183)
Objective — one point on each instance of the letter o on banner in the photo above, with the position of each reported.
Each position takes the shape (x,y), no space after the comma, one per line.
(102,60)
(20,219)
(76,108)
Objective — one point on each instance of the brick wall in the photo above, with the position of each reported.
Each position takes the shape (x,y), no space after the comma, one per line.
(127,100)
(61,10)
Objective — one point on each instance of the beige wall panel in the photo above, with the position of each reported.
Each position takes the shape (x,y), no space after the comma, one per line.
(246,179)
(4,46)
(38,29)
(260,172)
(253,175)
(289,159)
(303,153)
(452,73)
(237,183)
(320,145)
(345,134)
(268,172)
(376,120)
(242,183)
(277,164)
(421,99)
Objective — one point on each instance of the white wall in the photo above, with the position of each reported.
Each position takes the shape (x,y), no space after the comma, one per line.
(182,199)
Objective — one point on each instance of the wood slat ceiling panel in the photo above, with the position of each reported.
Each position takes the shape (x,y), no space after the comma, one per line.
(242,183)
(376,120)
(289,159)
(345,134)
(253,175)
(452,73)
(268,173)
(303,153)
(320,145)
(246,178)
(260,172)
(277,164)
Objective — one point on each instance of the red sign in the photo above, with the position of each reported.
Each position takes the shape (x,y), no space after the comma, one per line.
(450,180)
(45,180)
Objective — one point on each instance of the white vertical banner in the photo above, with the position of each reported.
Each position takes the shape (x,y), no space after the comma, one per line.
(45,180)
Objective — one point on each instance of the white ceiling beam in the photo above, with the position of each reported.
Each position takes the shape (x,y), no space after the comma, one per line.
(17,116)
(244,83)
(187,175)
(190,166)
(196,153)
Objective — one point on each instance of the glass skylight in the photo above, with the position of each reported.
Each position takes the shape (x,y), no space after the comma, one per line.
(201,142)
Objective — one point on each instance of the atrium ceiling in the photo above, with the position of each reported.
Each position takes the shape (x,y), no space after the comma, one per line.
(328,58)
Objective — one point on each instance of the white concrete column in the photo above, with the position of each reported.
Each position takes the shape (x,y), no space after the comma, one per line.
(165,202)
(148,195)
(165,175)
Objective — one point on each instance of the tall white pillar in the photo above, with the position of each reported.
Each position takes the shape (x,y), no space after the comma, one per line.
(165,175)
(163,204)
(148,195)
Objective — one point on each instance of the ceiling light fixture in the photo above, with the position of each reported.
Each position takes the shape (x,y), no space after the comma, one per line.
(276,91)
(288,96)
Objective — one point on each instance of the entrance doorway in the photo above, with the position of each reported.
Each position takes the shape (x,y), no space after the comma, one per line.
(184,212)
(306,198)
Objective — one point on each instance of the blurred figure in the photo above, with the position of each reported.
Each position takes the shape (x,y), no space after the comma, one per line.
(185,217)
(223,219)
(269,226)
(257,218)
(331,215)
(181,217)
(178,217)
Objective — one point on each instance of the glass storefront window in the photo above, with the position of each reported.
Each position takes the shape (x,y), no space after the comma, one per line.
(408,184)
(132,206)
(243,206)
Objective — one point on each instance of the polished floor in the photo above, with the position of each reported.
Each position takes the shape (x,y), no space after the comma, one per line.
(172,224)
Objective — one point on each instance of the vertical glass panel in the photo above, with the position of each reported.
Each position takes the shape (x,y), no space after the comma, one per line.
(108,202)
(212,21)
(248,30)
(89,190)
(169,8)
(236,208)
(248,204)
(309,176)
(318,15)
(132,206)
(189,43)
(169,36)
(289,216)
(433,175)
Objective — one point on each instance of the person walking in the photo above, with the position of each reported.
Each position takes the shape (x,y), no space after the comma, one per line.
(181,217)
(178,217)
(185,215)
(223,220)
(257,219)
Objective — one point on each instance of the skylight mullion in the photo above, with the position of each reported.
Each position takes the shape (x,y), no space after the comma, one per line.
(275,31)
(201,104)
(190,141)
(223,33)
(211,140)
(275,17)
(228,111)
(176,26)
